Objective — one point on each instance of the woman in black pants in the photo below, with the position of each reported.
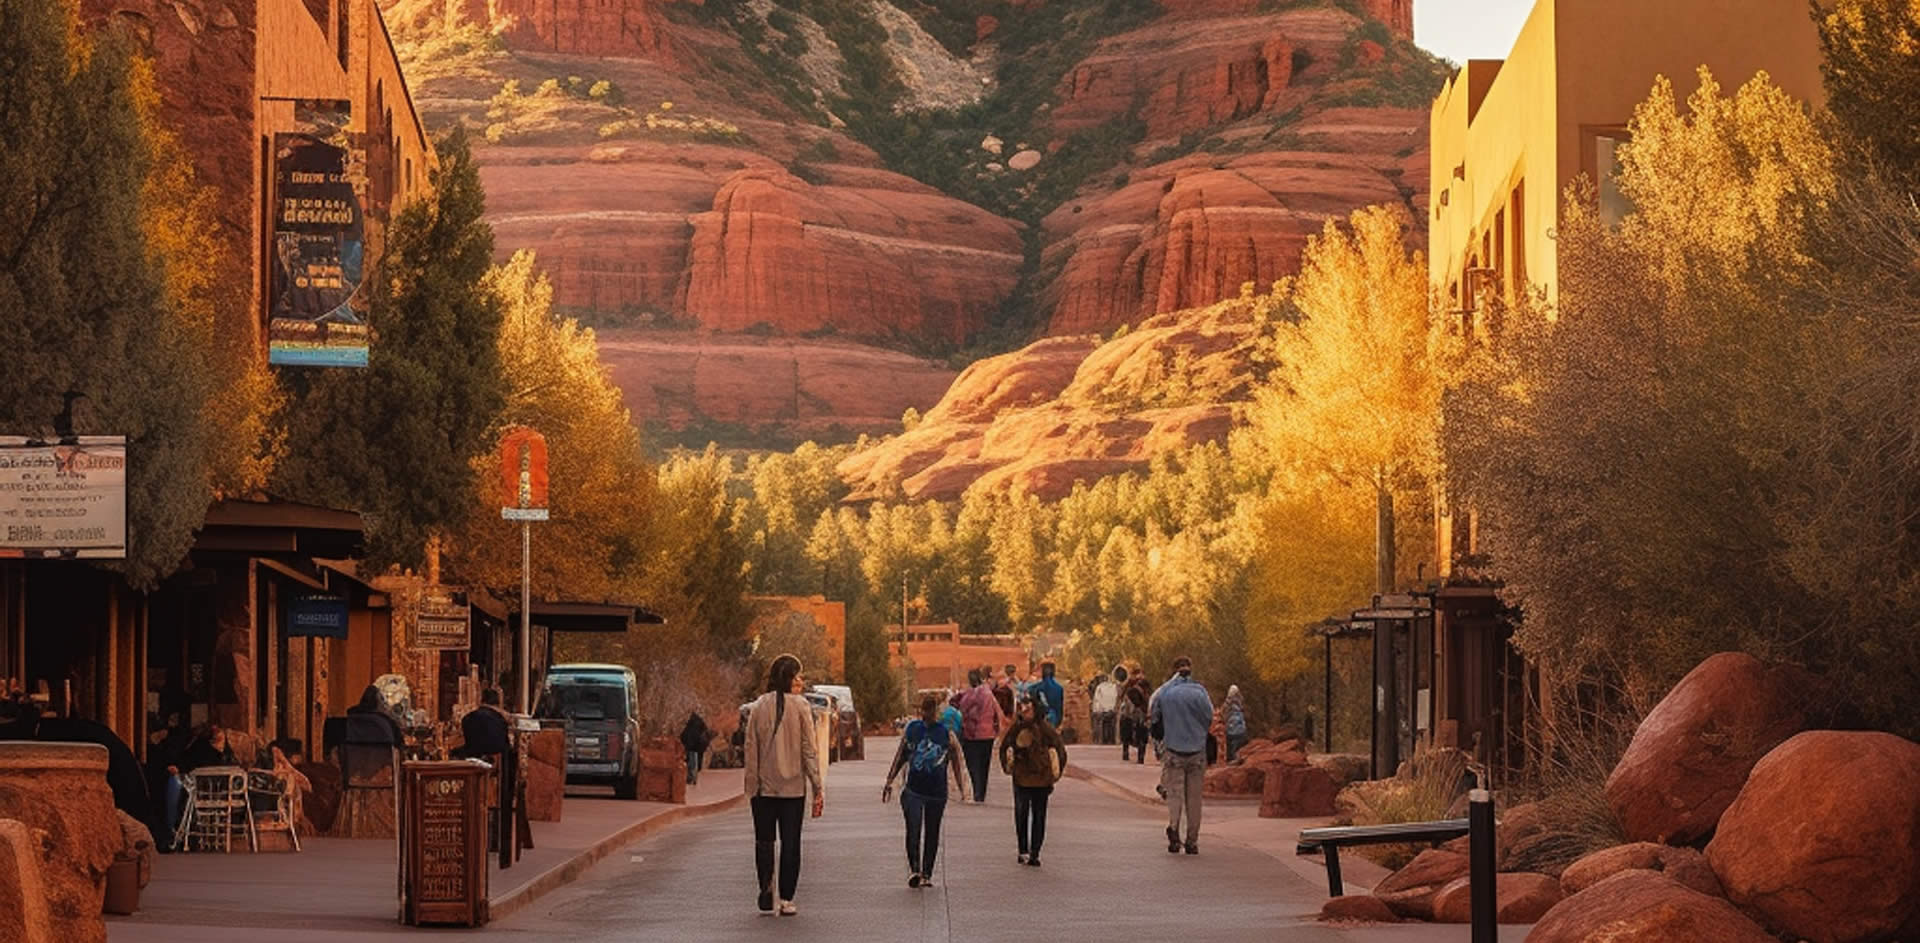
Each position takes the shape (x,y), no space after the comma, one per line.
(781,764)
(1034,754)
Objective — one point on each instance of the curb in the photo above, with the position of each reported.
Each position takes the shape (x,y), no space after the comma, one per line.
(1113,789)
(512,902)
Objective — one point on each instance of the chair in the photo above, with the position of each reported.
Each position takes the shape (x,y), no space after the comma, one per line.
(219,807)
(280,809)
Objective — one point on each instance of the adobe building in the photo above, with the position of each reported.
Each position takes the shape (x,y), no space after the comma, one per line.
(941,654)
(1509,137)
(213,642)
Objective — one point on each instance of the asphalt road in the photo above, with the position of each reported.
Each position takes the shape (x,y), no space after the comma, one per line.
(1106,872)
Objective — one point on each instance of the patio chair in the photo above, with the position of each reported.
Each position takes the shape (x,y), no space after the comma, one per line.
(278,805)
(219,807)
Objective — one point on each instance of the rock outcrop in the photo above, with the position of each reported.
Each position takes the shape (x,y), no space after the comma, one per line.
(1009,423)
(1410,891)
(1692,752)
(1178,77)
(1824,838)
(1645,905)
(1357,908)
(1297,792)
(1684,865)
(1518,897)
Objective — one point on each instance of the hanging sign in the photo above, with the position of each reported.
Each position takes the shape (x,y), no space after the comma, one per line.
(317,313)
(64,500)
(317,615)
(440,624)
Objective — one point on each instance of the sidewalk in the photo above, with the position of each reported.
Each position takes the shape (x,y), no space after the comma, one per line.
(1232,820)
(352,885)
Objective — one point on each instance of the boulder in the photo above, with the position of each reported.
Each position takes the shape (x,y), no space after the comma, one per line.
(1297,792)
(58,792)
(1684,865)
(1824,839)
(1357,908)
(1345,768)
(23,892)
(1230,782)
(1690,755)
(1645,905)
(1409,892)
(1519,897)
(1517,828)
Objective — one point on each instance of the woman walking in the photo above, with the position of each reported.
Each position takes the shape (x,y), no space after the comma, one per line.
(1235,710)
(781,763)
(694,738)
(1034,754)
(927,750)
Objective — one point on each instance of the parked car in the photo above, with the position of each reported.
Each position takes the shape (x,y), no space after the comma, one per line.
(601,705)
(850,740)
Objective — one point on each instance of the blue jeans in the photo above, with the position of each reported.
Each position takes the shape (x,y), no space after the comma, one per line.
(693,765)
(923,830)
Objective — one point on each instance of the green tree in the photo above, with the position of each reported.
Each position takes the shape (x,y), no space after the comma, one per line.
(876,686)
(398,441)
(97,297)
(698,552)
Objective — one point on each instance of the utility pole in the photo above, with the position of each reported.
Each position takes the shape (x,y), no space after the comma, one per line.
(903,616)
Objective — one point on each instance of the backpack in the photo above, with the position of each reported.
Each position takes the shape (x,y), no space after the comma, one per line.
(927,755)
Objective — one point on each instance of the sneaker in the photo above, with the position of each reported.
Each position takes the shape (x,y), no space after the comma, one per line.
(788,909)
(766,901)
(1033,862)
(1173,841)
(913,880)
(926,880)
(1023,858)
(1193,848)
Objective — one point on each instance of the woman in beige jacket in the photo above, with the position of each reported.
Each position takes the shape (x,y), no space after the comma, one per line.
(782,763)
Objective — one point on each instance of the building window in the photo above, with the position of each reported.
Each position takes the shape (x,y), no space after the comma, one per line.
(1614,205)
(1518,214)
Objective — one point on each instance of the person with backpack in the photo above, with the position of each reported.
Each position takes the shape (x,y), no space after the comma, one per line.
(927,751)
(1035,756)
(694,739)
(781,764)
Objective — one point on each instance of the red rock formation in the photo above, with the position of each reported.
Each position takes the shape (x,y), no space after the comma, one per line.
(1357,908)
(571,27)
(1685,865)
(1410,891)
(874,263)
(1519,897)
(1396,14)
(1180,76)
(1645,905)
(1824,839)
(1293,792)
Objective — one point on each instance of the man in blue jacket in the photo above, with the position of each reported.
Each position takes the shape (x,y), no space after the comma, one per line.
(1182,714)
(1051,693)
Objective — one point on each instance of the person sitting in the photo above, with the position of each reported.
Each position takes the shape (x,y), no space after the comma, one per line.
(369,724)
(484,731)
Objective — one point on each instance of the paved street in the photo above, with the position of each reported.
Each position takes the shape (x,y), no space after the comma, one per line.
(1107,871)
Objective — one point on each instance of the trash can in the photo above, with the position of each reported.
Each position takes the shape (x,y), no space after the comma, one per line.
(443,843)
(123,885)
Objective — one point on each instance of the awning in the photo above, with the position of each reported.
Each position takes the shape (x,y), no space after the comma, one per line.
(589,616)
(277,526)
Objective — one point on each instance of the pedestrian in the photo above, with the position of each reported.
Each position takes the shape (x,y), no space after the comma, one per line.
(694,738)
(927,749)
(1182,712)
(781,764)
(980,724)
(1105,700)
(950,716)
(1139,701)
(1003,692)
(1050,689)
(1236,711)
(1035,756)
(485,730)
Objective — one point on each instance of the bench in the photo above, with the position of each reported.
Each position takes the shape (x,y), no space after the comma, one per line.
(1328,841)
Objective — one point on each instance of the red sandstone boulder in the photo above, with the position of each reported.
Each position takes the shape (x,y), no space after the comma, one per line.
(1690,755)
(23,891)
(58,791)
(1297,792)
(1645,905)
(1345,768)
(1519,897)
(1824,839)
(1410,890)
(1357,908)
(1684,865)
(1233,782)
(546,775)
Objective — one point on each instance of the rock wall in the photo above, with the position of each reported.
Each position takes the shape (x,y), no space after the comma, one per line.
(1178,77)
(574,27)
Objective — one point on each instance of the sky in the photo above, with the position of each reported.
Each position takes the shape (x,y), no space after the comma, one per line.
(1468,29)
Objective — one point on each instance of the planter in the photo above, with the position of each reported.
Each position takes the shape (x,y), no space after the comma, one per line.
(60,789)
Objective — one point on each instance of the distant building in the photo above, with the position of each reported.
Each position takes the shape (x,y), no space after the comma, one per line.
(942,654)
(1509,137)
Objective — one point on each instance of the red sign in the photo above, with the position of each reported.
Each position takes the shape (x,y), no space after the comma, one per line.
(523,468)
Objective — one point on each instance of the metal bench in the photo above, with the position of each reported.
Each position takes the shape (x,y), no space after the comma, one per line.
(1328,841)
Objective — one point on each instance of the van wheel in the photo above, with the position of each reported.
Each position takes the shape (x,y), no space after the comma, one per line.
(627,787)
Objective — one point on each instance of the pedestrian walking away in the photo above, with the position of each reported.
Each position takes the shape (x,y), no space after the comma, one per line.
(1035,756)
(927,751)
(1056,696)
(1181,715)
(1138,701)
(980,724)
(1236,711)
(781,765)
(694,738)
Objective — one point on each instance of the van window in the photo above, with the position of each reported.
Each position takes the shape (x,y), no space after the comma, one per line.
(584,701)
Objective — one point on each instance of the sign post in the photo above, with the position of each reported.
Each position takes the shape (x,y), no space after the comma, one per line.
(523,469)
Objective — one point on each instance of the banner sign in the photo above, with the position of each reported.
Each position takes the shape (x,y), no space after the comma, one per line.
(63,500)
(439,623)
(317,615)
(317,315)
(523,470)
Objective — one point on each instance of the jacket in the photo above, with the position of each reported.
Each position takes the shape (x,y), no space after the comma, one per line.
(1028,751)
(1055,696)
(980,717)
(484,731)
(781,762)
(1182,708)
(695,736)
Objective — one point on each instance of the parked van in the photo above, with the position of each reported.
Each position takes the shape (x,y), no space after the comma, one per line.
(849,741)
(601,705)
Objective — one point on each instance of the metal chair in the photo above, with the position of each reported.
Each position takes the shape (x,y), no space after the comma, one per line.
(280,809)
(219,807)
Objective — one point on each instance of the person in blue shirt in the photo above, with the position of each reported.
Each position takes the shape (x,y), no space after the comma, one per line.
(927,750)
(1050,691)
(1182,716)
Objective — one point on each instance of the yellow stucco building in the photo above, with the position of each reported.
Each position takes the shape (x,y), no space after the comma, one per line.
(1509,136)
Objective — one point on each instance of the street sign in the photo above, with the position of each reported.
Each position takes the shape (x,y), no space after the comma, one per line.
(68,499)
(318,615)
(523,514)
(523,468)
(441,624)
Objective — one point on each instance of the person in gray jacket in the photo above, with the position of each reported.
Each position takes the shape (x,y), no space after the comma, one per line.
(781,764)
(1182,715)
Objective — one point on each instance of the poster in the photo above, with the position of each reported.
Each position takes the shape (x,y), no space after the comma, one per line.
(68,499)
(317,314)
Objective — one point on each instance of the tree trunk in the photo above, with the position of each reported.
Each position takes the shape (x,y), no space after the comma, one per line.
(1383,542)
